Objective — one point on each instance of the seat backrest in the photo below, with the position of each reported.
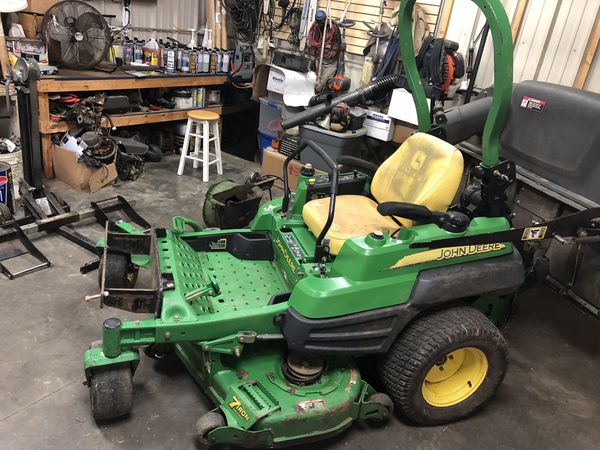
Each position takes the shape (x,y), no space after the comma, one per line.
(425,171)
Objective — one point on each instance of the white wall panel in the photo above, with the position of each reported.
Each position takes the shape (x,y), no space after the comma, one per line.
(486,71)
(550,44)
(156,18)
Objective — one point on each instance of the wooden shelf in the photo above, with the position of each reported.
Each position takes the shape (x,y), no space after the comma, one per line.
(119,80)
(86,81)
(141,118)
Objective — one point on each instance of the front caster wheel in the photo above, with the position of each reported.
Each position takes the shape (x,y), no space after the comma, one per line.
(158,351)
(208,422)
(111,391)
(444,366)
(385,401)
(120,271)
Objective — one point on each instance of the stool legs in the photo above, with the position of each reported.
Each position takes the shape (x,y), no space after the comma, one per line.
(205,150)
(218,147)
(184,149)
(199,133)
(202,133)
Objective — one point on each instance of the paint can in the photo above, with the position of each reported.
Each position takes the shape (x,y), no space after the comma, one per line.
(6,186)
(185,61)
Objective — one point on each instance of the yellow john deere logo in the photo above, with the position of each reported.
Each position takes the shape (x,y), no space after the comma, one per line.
(284,252)
(446,253)
(236,405)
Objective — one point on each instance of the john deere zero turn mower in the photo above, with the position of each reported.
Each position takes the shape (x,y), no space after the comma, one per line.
(271,319)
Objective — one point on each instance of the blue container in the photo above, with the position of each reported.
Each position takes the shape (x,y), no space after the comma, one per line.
(6,186)
(264,141)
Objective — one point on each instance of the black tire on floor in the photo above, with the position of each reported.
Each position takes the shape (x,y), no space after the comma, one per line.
(111,392)
(206,424)
(120,271)
(444,366)
(158,351)
(384,400)
(5,214)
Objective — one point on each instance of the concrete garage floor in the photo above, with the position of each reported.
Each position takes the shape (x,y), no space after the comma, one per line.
(550,398)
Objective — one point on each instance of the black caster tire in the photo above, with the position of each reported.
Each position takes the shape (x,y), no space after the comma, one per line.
(206,424)
(111,392)
(120,271)
(445,366)
(384,400)
(154,154)
(5,214)
(158,351)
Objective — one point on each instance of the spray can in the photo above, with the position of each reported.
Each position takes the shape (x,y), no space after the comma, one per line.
(171,63)
(192,61)
(205,61)
(117,51)
(219,60)
(225,65)
(6,186)
(212,64)
(161,50)
(185,61)
(179,57)
(138,55)
(201,95)
(128,53)
(199,61)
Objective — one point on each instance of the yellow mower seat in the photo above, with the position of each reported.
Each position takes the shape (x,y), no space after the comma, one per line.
(425,171)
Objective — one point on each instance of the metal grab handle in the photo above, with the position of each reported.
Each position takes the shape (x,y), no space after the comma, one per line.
(334,182)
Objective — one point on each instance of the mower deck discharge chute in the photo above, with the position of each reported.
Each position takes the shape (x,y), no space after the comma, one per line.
(271,320)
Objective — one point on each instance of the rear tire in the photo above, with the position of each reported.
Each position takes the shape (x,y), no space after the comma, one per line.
(445,366)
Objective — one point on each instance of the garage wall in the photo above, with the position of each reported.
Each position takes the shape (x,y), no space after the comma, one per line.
(363,11)
(550,44)
(157,18)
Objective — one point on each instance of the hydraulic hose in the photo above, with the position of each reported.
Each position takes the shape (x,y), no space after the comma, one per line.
(387,82)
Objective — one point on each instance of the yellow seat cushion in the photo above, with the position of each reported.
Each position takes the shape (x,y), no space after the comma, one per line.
(425,171)
(355,215)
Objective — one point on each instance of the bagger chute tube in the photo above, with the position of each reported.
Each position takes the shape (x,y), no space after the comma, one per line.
(273,320)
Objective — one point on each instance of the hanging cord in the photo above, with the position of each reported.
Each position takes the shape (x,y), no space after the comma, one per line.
(333,42)
(245,16)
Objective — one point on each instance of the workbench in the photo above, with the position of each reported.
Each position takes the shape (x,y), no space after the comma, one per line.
(97,81)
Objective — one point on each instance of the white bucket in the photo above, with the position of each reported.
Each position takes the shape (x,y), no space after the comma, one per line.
(16,165)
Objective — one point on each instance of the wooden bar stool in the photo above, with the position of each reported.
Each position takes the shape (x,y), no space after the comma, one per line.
(204,121)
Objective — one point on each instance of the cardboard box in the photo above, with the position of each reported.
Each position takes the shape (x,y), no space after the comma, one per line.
(39,6)
(272,164)
(31,25)
(402,131)
(30,48)
(379,126)
(78,175)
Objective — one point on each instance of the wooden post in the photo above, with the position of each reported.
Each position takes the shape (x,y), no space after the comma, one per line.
(224,27)
(4,61)
(210,15)
(46,143)
(588,56)
(445,19)
(518,18)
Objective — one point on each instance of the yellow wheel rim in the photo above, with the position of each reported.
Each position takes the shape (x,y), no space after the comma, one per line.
(455,378)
